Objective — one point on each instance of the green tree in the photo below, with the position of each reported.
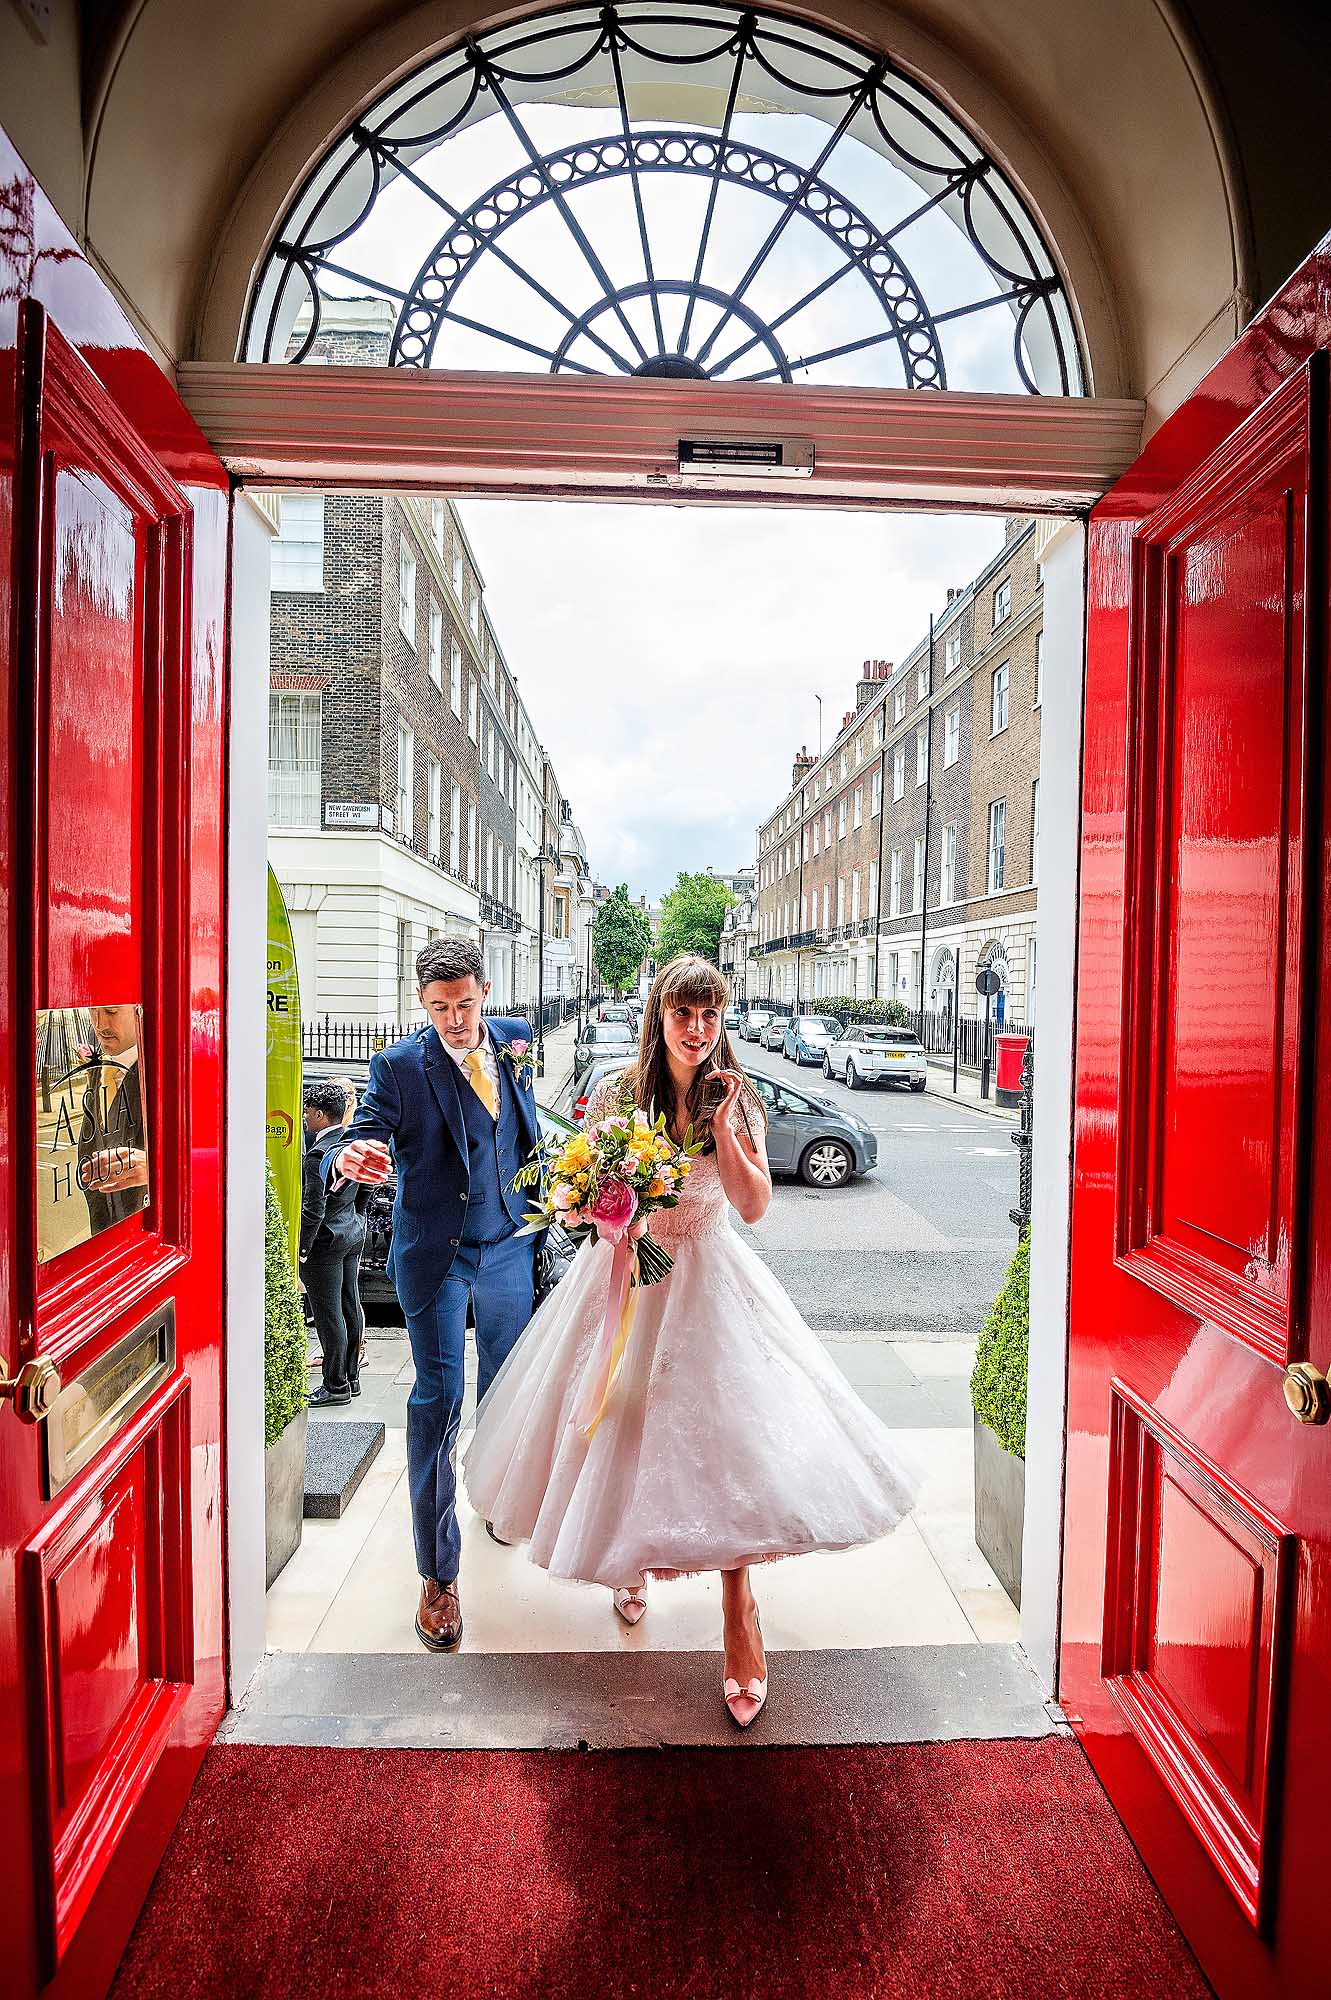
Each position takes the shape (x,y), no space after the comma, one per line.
(621,940)
(692,914)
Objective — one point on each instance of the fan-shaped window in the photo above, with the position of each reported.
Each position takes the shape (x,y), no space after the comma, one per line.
(667,189)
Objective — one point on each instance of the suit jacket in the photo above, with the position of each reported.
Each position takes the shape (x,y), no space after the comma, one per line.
(411,1102)
(332,1219)
(123,1127)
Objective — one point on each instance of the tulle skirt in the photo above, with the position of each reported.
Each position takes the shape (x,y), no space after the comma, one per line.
(730,1437)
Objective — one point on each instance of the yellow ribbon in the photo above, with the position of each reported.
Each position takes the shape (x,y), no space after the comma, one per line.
(621,1308)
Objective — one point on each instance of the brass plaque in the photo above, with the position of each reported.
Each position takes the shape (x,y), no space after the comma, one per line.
(92,1149)
(92,1407)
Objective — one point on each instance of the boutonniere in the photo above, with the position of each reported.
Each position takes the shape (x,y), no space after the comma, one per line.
(523,1061)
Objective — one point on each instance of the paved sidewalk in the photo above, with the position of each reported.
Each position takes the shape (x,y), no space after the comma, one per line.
(968,1090)
(559,1046)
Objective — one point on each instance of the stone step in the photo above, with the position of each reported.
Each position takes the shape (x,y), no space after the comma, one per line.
(338,1454)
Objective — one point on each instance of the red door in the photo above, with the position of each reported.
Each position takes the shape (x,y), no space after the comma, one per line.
(113,522)
(1196,1660)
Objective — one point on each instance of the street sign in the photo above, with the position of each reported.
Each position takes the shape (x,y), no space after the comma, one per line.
(988,982)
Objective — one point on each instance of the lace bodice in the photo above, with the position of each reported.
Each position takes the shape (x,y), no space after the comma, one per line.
(702,1208)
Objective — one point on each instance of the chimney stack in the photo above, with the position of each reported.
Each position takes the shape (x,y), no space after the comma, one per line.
(872,675)
(801,768)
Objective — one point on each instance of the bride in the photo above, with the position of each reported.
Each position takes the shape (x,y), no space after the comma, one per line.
(731,1437)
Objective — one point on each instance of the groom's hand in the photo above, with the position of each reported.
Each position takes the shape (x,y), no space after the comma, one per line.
(365,1160)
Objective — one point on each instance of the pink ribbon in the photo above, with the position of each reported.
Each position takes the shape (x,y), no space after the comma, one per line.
(620,1308)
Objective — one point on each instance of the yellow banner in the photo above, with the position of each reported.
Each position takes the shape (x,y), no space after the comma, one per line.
(284,1125)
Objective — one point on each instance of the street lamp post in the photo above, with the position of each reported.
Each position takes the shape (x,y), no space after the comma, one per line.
(542,861)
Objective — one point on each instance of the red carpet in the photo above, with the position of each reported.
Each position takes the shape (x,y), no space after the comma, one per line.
(952,1871)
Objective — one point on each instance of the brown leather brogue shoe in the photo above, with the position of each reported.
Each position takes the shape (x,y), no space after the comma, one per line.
(439,1616)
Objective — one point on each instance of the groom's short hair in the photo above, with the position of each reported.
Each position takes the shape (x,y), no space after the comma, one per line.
(449,958)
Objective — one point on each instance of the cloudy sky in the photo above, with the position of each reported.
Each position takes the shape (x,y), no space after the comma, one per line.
(669,656)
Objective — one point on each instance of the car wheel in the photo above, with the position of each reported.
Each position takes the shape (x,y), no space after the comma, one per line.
(826,1164)
(827,1068)
(921,1084)
(852,1076)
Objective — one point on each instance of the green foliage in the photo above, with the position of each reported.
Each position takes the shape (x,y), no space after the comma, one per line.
(621,940)
(692,914)
(284,1343)
(884,1013)
(998,1385)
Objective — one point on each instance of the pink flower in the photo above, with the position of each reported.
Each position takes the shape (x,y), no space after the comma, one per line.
(614,1208)
(564,1197)
(519,1048)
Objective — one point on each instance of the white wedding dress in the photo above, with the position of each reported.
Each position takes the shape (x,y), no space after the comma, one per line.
(730,1436)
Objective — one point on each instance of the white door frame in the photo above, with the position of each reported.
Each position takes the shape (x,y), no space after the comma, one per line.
(560,437)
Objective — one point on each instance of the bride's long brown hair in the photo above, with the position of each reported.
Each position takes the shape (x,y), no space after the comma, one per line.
(695,982)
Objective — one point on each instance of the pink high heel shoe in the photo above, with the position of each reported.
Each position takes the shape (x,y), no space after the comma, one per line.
(745,1703)
(631,1602)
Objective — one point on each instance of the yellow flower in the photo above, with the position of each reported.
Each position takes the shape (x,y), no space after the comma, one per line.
(656,1187)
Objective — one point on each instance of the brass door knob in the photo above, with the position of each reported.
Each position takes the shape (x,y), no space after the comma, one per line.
(33,1390)
(1308,1393)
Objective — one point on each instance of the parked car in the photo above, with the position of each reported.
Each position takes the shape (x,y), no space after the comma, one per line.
(754,1022)
(603,1038)
(807,1135)
(774,1033)
(376,1287)
(615,1010)
(609,1065)
(807,1036)
(870,1053)
(733,1019)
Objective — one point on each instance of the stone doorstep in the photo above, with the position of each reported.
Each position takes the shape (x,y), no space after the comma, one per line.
(337,1457)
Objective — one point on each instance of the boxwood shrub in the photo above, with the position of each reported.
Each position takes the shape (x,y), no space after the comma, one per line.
(998,1384)
(883,1013)
(284,1343)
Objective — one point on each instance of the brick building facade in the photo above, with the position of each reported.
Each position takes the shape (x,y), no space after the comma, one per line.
(408,791)
(915,837)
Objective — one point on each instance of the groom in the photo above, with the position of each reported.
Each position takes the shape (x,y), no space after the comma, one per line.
(455,1099)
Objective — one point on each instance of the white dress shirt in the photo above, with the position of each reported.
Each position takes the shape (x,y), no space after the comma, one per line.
(489,1060)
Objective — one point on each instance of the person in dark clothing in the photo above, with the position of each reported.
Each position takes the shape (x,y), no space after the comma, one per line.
(332,1236)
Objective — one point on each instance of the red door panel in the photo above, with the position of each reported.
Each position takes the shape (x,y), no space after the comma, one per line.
(114,521)
(1196,1660)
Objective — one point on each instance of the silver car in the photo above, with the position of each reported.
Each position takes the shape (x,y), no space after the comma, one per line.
(809,1136)
(870,1053)
(754,1022)
(774,1034)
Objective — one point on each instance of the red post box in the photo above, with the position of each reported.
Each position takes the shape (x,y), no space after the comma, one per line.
(1011,1056)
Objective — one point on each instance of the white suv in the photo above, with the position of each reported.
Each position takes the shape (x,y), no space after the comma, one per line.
(868,1053)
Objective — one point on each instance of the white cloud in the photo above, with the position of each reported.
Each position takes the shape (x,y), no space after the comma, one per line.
(669,656)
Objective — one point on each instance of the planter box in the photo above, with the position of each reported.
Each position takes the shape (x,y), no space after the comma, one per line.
(1000,1508)
(284,1488)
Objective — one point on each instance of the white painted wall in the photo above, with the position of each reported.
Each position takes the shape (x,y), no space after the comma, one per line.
(247,931)
(1060,847)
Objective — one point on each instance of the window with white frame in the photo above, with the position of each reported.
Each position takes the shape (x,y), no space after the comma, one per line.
(298,552)
(826,903)
(474,610)
(922,683)
(840,901)
(1035,830)
(842,765)
(436,644)
(854,895)
(859,805)
(471,842)
(473,705)
(295,758)
(841,818)
(1039,669)
(917,875)
(878,730)
(899,705)
(406,757)
(827,827)
(952,736)
(455,676)
(817,788)
(816,830)
(489,862)
(404,968)
(948,887)
(952,653)
(406,591)
(921,755)
(899,772)
(859,751)
(894,889)
(804,851)
(458,569)
(433,794)
(873,889)
(998,700)
(455,830)
(876,796)
(1003,602)
(437,515)
(997,843)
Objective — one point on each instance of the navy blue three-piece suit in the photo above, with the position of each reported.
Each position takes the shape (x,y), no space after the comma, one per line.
(455,1221)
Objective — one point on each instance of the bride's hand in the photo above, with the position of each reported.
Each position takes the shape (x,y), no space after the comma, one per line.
(731,1085)
(638,1229)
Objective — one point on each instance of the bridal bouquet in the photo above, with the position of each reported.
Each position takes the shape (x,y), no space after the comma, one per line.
(610,1177)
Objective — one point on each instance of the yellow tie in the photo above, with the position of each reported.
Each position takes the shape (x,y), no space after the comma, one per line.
(481,1083)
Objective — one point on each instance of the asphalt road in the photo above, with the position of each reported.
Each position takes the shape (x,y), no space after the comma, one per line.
(917,1247)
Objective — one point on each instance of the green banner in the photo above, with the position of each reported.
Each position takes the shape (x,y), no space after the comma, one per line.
(284,1124)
